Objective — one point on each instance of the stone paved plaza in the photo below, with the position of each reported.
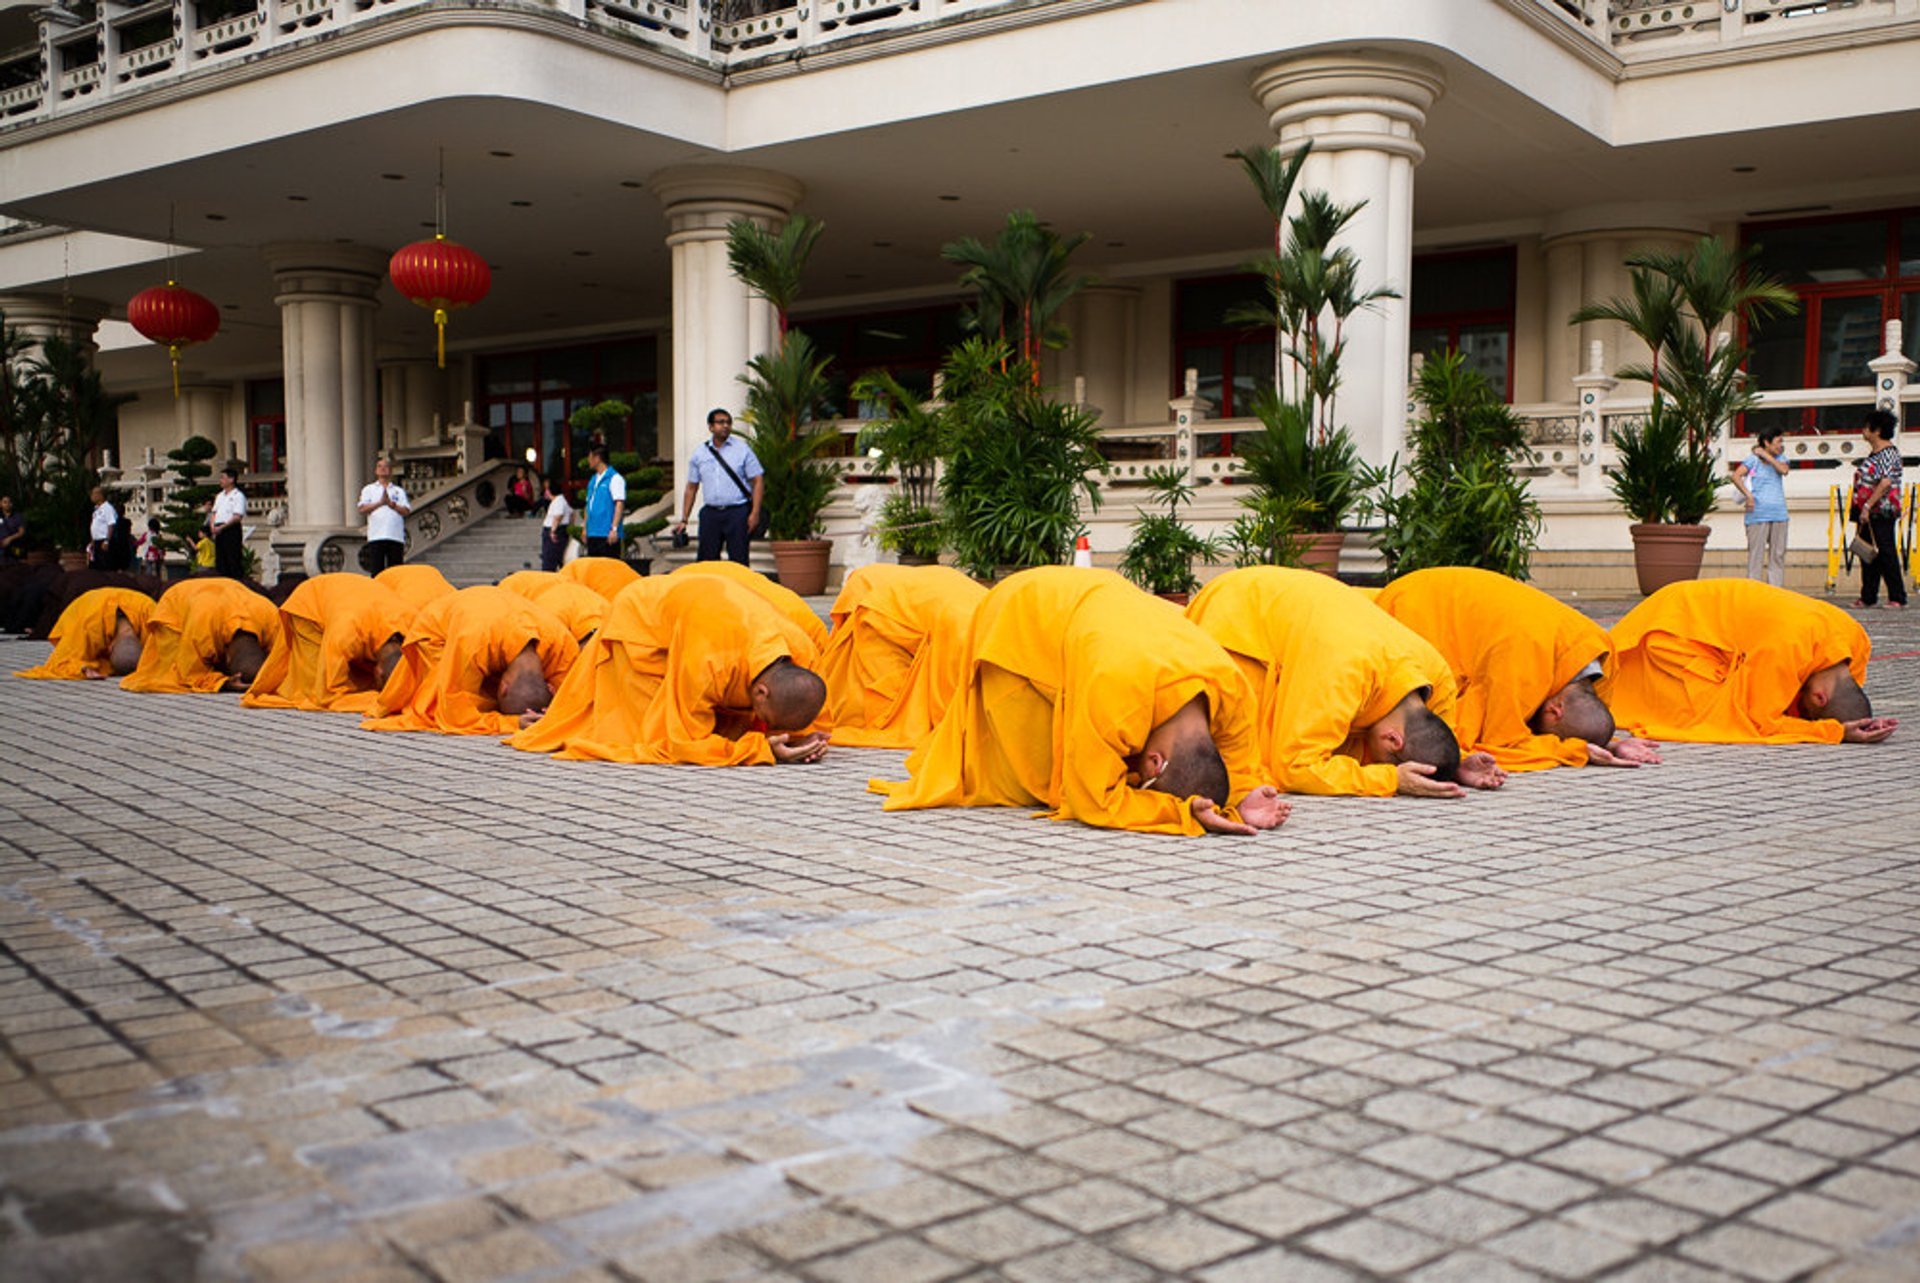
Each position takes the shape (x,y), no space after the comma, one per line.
(281,999)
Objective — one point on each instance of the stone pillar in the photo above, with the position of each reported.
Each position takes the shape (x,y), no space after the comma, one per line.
(1560,341)
(718,324)
(1101,350)
(201,411)
(1592,387)
(1363,110)
(1892,371)
(39,317)
(409,402)
(1587,250)
(327,301)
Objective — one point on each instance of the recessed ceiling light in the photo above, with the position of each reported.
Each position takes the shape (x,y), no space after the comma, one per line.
(883,244)
(631,182)
(521,204)
(949,198)
(856,276)
(231,307)
(395,178)
(297,198)
(589,285)
(583,253)
(216,218)
(429,226)
(503,155)
(493,267)
(1116,244)
(1744,169)
(550,316)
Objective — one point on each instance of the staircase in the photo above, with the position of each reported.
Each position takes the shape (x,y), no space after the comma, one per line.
(488,550)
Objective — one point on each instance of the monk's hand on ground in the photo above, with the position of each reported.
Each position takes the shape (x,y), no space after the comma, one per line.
(1264,808)
(93,675)
(1416,780)
(1605,756)
(1637,752)
(1868,730)
(1480,771)
(531,716)
(806,748)
(1214,820)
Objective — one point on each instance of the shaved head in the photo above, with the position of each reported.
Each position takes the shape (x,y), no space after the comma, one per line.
(788,697)
(123,656)
(245,655)
(1412,732)
(386,659)
(523,684)
(1195,769)
(1847,702)
(1577,712)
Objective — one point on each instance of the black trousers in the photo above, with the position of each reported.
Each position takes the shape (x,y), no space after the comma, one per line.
(724,526)
(552,551)
(598,547)
(226,552)
(1885,528)
(382,553)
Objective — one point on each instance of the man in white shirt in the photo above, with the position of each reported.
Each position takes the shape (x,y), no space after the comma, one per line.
(553,531)
(229,507)
(385,506)
(100,531)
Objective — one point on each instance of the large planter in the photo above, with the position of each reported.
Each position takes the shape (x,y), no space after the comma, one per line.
(1666,554)
(802,564)
(1321,552)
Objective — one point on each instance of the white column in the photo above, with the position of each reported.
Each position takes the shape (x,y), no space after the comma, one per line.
(38,317)
(1560,340)
(409,402)
(1363,112)
(1101,349)
(326,296)
(201,411)
(718,324)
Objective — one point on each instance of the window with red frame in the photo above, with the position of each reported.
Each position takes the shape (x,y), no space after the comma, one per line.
(909,344)
(1853,273)
(267,431)
(526,399)
(1463,302)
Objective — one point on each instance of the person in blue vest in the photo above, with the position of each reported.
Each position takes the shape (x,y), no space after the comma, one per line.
(736,487)
(606,505)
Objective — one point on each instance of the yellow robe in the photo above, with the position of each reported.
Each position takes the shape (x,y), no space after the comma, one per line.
(83,635)
(785,600)
(1510,647)
(455,652)
(1068,671)
(1721,661)
(608,576)
(332,628)
(897,653)
(580,608)
(668,678)
(185,648)
(418,582)
(1327,664)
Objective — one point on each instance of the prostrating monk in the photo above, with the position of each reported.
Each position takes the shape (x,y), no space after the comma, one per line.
(98,635)
(783,599)
(418,582)
(1090,698)
(1350,700)
(607,576)
(579,607)
(341,637)
(689,669)
(1530,673)
(479,662)
(205,635)
(1734,661)
(898,652)
(74,584)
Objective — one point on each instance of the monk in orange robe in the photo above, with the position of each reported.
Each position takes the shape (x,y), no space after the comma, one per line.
(341,639)
(205,635)
(898,652)
(1733,661)
(688,669)
(1531,674)
(418,582)
(98,635)
(478,662)
(1350,700)
(579,607)
(607,576)
(781,598)
(1087,697)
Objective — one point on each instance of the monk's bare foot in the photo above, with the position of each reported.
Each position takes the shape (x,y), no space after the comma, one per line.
(1214,820)
(1264,808)
(808,748)
(1416,780)
(1480,771)
(1638,751)
(1868,730)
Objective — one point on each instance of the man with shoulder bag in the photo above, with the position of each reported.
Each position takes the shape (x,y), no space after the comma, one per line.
(736,491)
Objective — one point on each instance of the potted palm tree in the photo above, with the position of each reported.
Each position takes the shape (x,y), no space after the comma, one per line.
(1678,306)
(1161,553)
(787,395)
(1306,484)
(905,441)
(1020,281)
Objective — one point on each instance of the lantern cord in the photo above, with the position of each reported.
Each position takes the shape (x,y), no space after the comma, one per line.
(440,200)
(173,358)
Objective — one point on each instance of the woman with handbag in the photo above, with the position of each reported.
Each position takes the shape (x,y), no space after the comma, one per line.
(1876,510)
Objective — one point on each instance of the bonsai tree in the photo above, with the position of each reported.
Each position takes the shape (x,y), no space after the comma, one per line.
(183,515)
(1161,554)
(1462,504)
(1020,281)
(905,441)
(646,481)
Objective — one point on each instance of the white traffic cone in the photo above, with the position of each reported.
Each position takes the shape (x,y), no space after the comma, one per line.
(1082,552)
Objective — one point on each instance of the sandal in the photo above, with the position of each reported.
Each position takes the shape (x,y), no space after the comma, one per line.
(1861,605)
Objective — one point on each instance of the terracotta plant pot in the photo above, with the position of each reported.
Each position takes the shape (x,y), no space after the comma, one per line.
(802,564)
(1666,554)
(1321,552)
(1177,598)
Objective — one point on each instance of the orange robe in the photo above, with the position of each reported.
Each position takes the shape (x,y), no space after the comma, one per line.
(580,608)
(1721,661)
(418,582)
(1327,664)
(1068,671)
(193,623)
(607,576)
(668,678)
(1511,647)
(785,600)
(332,628)
(455,651)
(83,635)
(898,652)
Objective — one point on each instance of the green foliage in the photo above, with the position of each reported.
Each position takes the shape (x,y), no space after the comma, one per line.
(1663,475)
(771,264)
(1161,554)
(1320,479)
(1462,504)
(647,483)
(907,528)
(1018,465)
(907,439)
(55,413)
(1269,532)
(184,514)
(786,390)
(1020,281)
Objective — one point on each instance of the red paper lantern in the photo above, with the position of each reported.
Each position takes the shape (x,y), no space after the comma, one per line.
(173,315)
(440,275)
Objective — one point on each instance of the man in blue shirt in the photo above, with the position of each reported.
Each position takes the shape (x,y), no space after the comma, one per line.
(606,503)
(736,487)
(1758,478)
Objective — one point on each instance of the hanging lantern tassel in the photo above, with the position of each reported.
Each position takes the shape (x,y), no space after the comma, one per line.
(442,276)
(176,317)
